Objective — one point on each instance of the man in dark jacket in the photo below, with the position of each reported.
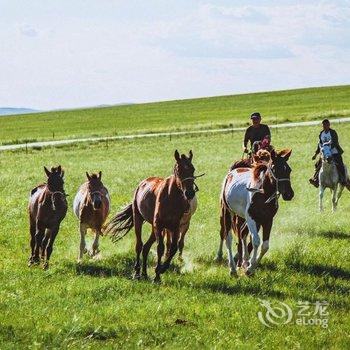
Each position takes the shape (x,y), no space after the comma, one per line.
(329,135)
(256,132)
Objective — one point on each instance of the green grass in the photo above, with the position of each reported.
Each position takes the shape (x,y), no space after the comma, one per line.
(198,305)
(213,112)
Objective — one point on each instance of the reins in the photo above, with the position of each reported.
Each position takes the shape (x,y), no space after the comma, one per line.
(276,194)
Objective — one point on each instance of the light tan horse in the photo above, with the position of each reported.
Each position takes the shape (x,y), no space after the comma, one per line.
(91,206)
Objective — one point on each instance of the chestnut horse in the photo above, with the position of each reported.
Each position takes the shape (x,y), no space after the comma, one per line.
(167,204)
(251,196)
(91,206)
(47,208)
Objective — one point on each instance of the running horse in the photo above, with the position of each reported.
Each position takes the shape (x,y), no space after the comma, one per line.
(91,206)
(329,177)
(168,205)
(47,208)
(249,200)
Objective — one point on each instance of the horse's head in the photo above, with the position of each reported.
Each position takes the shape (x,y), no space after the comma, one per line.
(281,172)
(55,180)
(184,170)
(94,189)
(326,153)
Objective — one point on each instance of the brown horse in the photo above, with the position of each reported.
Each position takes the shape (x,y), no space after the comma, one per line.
(252,195)
(167,204)
(91,206)
(47,208)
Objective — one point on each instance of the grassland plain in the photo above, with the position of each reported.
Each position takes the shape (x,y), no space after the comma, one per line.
(212,112)
(198,305)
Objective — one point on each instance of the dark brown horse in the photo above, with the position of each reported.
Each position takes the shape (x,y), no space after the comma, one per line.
(47,208)
(91,206)
(167,204)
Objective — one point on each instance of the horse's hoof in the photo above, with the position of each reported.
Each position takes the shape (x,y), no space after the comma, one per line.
(46,265)
(157,280)
(30,262)
(249,271)
(218,259)
(145,277)
(233,273)
(136,276)
(245,265)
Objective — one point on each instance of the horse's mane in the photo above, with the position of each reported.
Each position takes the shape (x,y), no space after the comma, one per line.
(258,168)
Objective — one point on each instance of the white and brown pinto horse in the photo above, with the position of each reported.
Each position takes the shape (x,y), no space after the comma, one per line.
(329,177)
(168,205)
(250,195)
(91,206)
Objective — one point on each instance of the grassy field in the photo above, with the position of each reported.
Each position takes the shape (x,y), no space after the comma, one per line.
(213,112)
(198,305)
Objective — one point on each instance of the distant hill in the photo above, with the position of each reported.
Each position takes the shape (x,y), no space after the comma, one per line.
(10,110)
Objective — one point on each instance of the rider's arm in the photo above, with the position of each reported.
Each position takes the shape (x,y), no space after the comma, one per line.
(246,139)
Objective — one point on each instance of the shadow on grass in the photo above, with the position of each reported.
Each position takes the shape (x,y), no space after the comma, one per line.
(319,270)
(331,235)
(121,266)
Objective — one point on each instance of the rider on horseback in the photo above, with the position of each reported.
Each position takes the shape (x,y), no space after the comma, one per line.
(328,135)
(257,134)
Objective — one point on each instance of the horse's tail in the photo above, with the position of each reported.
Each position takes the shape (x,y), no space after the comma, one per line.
(120,224)
(225,215)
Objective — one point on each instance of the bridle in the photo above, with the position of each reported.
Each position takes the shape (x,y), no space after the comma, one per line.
(276,193)
(196,188)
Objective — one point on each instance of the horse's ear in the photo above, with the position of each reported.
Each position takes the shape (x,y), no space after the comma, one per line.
(47,171)
(285,153)
(100,174)
(177,155)
(191,156)
(59,169)
(88,176)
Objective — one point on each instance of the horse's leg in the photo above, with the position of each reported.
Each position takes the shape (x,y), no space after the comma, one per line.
(339,193)
(145,250)
(231,260)
(167,234)
(245,252)
(95,243)
(49,248)
(255,241)
(138,221)
(183,232)
(82,247)
(39,235)
(32,230)
(45,243)
(160,251)
(321,193)
(266,237)
(173,250)
(225,225)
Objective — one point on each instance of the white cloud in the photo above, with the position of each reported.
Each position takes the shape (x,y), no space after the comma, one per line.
(88,54)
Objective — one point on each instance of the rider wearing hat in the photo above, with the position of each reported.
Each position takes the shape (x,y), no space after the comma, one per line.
(329,135)
(256,134)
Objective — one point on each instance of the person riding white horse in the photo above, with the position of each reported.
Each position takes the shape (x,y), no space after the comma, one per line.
(329,176)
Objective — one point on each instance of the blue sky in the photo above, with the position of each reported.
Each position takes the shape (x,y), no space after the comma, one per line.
(62,54)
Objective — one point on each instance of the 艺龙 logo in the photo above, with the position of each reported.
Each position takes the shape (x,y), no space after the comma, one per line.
(276,314)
